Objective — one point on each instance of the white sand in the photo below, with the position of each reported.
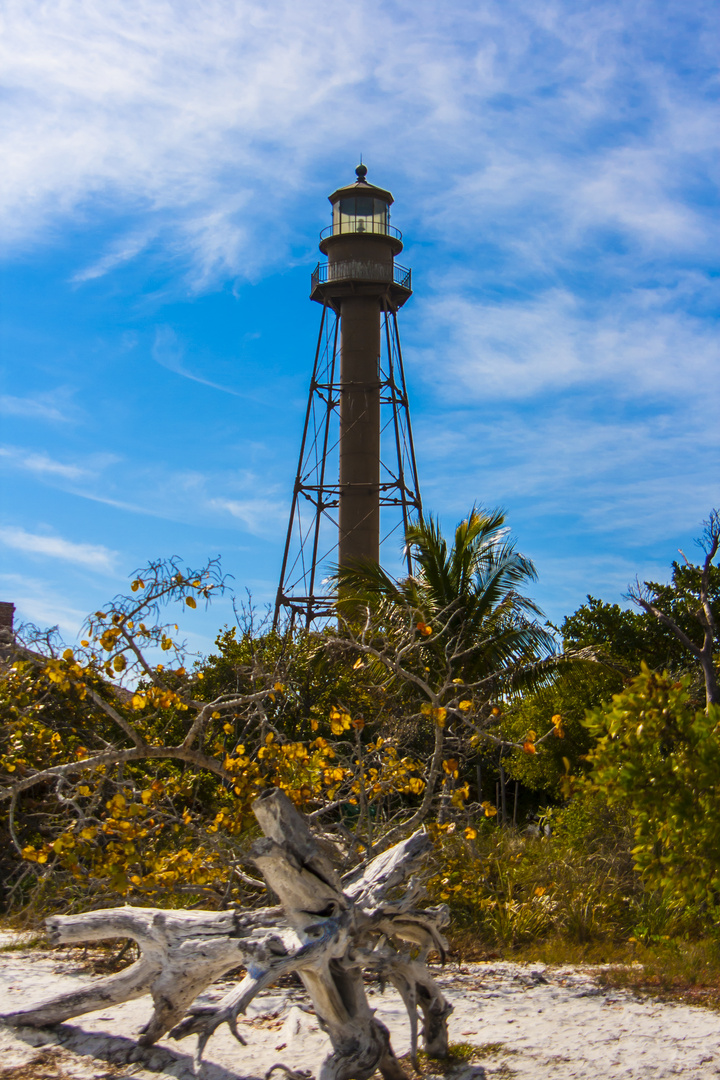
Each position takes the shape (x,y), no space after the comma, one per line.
(546,1023)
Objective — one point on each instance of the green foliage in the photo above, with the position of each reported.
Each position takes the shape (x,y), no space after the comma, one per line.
(508,889)
(565,896)
(679,600)
(659,757)
(316,680)
(148,770)
(625,636)
(556,716)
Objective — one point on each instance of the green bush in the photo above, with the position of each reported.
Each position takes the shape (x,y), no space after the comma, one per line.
(659,758)
(506,889)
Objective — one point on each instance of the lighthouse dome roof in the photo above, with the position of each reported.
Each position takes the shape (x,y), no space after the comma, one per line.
(361,187)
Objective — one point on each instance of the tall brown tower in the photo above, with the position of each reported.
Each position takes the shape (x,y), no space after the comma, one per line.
(349,470)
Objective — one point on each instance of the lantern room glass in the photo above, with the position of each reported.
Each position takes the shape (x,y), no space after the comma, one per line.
(359,214)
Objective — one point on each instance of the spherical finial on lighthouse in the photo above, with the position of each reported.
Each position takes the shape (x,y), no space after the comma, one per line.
(361,171)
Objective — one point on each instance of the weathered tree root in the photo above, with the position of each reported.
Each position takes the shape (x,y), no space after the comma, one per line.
(326,930)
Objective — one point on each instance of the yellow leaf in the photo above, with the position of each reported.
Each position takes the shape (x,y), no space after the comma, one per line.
(465,706)
(68,654)
(190,601)
(84,643)
(279,687)
(470,833)
(138,701)
(119,662)
(228,729)
(358,663)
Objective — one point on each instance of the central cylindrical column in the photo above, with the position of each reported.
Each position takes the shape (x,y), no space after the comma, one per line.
(359,537)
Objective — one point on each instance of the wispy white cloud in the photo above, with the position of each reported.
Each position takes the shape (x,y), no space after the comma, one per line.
(120,252)
(168,351)
(92,556)
(642,344)
(566,110)
(624,476)
(259,516)
(33,408)
(40,463)
(182,495)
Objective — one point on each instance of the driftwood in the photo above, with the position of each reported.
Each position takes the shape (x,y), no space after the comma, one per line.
(326,929)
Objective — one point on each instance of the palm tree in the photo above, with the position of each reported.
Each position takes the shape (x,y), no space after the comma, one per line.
(467,601)
(447,644)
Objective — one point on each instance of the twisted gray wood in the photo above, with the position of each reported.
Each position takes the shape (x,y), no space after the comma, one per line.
(327,930)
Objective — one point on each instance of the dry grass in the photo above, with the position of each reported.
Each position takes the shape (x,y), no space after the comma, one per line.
(459,1056)
(687,971)
(48,1065)
(672,970)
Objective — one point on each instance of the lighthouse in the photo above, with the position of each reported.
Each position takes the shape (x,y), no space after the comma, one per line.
(357,460)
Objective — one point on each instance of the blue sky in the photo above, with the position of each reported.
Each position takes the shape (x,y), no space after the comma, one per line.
(166,172)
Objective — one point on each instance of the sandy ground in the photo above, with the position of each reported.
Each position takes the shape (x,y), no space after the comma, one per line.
(527,1021)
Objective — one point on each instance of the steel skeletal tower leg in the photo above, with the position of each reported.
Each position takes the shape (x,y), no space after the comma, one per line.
(314,539)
